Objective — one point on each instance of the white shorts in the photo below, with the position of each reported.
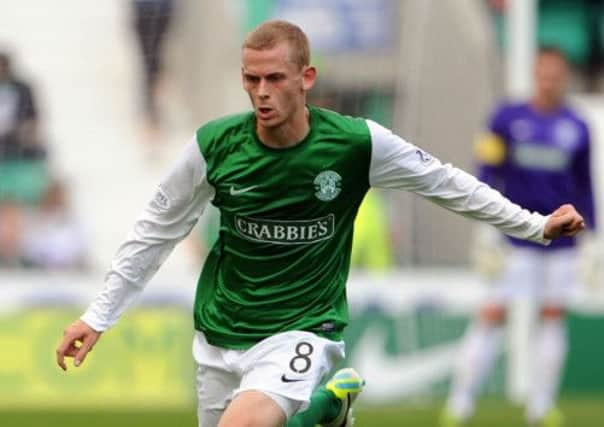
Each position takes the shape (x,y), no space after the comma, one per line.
(547,277)
(287,367)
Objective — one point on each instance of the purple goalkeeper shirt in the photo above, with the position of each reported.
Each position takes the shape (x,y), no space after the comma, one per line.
(546,163)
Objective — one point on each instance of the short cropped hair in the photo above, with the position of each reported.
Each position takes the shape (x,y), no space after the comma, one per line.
(552,50)
(271,33)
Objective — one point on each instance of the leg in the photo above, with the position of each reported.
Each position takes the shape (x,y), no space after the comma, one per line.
(476,357)
(285,368)
(253,409)
(331,405)
(550,354)
(483,338)
(551,345)
(324,407)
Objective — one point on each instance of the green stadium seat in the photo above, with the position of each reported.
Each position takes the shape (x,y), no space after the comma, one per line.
(566,24)
(561,23)
(23,180)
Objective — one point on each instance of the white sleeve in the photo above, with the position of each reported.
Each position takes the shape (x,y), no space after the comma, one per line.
(175,208)
(398,164)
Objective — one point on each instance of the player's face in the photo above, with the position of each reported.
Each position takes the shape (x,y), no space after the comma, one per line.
(276,85)
(551,74)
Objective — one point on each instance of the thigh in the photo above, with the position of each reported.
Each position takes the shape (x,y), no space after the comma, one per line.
(560,277)
(253,408)
(520,278)
(216,382)
(289,366)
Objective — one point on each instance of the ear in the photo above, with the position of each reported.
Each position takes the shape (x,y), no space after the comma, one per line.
(309,75)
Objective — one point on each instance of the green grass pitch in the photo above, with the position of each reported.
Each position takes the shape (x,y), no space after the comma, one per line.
(580,412)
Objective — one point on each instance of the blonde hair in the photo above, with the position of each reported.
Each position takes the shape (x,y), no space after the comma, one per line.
(270,33)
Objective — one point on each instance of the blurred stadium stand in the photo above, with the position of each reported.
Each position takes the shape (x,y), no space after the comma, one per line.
(434,77)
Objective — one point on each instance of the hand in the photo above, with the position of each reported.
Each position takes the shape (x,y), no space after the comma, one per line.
(78,340)
(564,221)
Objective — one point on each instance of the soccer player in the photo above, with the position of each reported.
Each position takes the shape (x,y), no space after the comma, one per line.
(287,178)
(538,154)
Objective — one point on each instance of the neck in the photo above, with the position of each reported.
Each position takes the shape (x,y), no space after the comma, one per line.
(289,134)
(545,104)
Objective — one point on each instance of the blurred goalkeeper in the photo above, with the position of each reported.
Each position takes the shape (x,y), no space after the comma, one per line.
(287,179)
(538,155)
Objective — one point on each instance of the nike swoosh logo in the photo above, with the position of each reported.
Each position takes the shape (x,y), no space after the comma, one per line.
(291,380)
(401,375)
(235,192)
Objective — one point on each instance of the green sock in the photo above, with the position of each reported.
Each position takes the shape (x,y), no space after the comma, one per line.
(324,407)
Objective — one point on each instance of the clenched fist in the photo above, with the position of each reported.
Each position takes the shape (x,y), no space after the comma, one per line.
(564,221)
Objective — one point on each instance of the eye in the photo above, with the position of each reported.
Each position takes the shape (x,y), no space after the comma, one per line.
(251,79)
(275,78)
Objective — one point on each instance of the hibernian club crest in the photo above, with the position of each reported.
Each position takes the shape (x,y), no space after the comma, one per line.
(328,185)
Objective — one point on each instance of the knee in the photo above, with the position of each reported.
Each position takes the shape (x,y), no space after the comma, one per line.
(493,314)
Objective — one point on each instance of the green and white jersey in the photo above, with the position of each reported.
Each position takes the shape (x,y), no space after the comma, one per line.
(287,215)
(283,254)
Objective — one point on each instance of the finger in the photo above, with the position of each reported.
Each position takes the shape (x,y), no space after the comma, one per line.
(566,222)
(61,362)
(570,219)
(71,351)
(576,220)
(87,345)
(61,352)
(557,226)
(576,223)
(575,227)
(572,225)
(68,347)
(564,209)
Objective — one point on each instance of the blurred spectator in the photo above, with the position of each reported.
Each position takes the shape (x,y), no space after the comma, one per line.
(576,27)
(22,170)
(55,240)
(151,20)
(537,153)
(18,116)
(10,233)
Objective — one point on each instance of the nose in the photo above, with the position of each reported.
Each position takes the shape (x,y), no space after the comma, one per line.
(263,89)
